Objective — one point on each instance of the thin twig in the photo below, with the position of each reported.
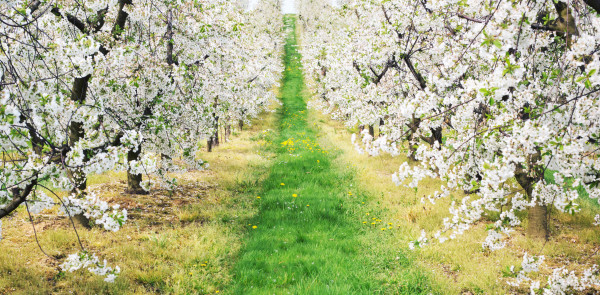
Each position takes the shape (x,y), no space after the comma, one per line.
(68,214)
(35,232)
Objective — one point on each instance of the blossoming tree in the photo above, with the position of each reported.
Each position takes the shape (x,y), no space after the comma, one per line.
(487,96)
(92,86)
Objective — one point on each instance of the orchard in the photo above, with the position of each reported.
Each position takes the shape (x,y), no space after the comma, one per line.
(299,147)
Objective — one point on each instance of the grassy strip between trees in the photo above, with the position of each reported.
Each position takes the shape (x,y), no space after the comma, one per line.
(305,238)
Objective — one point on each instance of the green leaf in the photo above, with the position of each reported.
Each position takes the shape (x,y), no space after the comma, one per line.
(497,44)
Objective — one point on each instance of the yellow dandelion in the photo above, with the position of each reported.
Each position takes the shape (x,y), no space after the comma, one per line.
(364,222)
(390,227)
(294,195)
(383,228)
(307,205)
(282,183)
(258,197)
(389,223)
(254,227)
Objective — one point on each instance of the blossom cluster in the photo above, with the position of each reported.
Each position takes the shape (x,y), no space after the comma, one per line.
(94,209)
(91,262)
(561,281)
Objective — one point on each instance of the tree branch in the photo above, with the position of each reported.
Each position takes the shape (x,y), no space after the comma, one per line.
(19,196)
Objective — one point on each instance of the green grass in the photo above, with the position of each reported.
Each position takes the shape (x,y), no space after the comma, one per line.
(583,195)
(306,237)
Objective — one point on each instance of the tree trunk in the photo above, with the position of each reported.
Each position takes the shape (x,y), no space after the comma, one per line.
(372,131)
(413,152)
(223,136)
(216,137)
(134,180)
(436,135)
(538,222)
(227,132)
(241,124)
(78,95)
(413,127)
(76,175)
(209,145)
(76,132)
(538,215)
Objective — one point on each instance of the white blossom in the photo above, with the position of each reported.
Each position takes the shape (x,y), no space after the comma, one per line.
(90,262)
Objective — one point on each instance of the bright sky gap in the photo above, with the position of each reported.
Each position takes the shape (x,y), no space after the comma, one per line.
(288,7)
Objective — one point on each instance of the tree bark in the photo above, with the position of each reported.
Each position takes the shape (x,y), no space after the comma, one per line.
(19,196)
(227,132)
(416,74)
(413,127)
(209,144)
(214,140)
(436,135)
(119,24)
(134,180)
(216,137)
(76,132)
(538,222)
(413,152)
(78,95)
(537,227)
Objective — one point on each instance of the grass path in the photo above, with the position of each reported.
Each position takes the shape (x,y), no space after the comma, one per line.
(306,238)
